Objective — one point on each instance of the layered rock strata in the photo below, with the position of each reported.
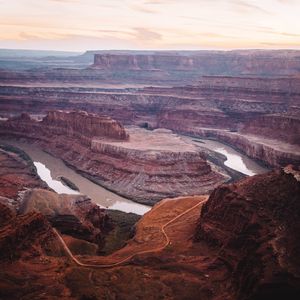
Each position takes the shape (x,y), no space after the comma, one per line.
(146,168)
(253,224)
(204,62)
(265,108)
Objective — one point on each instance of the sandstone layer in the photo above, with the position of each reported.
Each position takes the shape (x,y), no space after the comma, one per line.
(253,224)
(147,167)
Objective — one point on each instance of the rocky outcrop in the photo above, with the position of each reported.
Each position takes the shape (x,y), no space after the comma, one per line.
(6,213)
(30,235)
(75,124)
(254,224)
(73,215)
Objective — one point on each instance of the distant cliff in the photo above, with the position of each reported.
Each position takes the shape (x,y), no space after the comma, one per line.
(265,63)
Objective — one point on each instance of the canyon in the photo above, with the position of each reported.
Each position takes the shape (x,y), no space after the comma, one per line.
(144,125)
(240,243)
(253,115)
(145,166)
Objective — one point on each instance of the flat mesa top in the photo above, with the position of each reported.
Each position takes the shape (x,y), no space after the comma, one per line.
(152,140)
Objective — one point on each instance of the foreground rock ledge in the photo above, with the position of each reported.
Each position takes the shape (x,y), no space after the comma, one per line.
(254,224)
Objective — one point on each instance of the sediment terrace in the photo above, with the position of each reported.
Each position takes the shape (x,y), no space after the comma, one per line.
(145,166)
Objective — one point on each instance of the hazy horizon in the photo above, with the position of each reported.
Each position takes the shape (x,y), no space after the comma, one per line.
(80,25)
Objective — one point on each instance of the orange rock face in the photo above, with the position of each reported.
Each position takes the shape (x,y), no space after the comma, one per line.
(82,124)
(254,224)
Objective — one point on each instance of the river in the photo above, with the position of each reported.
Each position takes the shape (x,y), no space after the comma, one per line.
(234,159)
(49,168)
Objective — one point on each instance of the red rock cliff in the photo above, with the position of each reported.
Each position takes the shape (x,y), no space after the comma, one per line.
(86,124)
(254,224)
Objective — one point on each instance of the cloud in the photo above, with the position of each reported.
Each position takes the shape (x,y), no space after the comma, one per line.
(48,36)
(146,34)
(246,7)
(287,1)
(70,43)
(281,45)
(143,9)
(65,1)
(271,31)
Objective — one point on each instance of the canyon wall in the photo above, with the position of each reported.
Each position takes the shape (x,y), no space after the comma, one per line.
(206,62)
(253,225)
(282,127)
(159,68)
(267,110)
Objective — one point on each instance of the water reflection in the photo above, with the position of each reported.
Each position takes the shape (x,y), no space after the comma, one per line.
(235,160)
(56,185)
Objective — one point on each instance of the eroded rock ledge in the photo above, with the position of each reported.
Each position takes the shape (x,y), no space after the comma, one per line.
(145,166)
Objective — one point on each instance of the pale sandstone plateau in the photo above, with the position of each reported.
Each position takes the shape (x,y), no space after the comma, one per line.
(120,119)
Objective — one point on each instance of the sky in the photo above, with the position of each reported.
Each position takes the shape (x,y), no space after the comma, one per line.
(79,25)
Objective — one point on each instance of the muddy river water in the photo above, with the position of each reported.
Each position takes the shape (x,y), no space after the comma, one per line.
(234,159)
(50,169)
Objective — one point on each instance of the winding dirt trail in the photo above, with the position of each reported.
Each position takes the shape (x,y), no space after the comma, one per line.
(120,262)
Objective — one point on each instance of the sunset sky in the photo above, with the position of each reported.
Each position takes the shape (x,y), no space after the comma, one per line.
(79,25)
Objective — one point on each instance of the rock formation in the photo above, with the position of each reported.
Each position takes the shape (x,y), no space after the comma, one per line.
(78,124)
(254,225)
(148,167)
